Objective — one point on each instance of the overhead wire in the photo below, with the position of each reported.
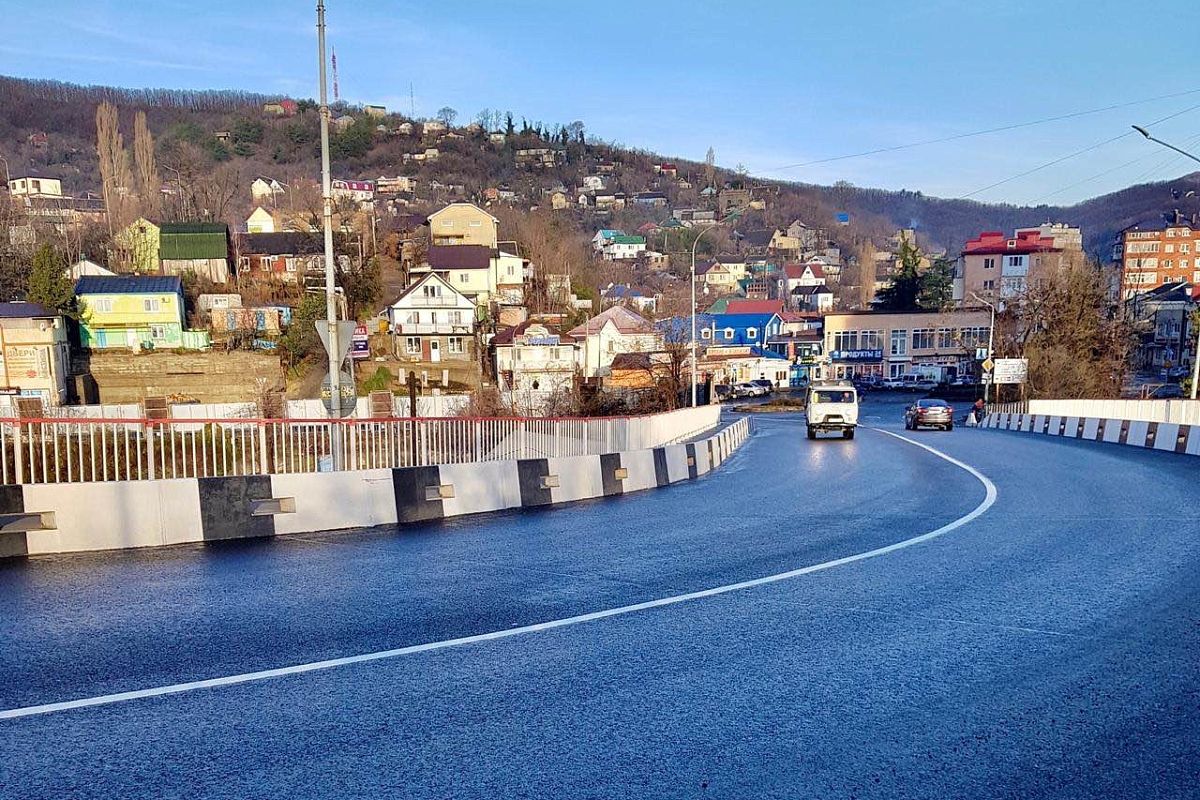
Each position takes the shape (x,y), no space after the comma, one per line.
(998,129)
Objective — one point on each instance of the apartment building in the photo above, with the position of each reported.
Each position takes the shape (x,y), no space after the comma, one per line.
(1151,254)
(999,267)
(893,343)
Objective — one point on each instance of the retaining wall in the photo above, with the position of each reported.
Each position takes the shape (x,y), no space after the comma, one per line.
(1169,437)
(60,518)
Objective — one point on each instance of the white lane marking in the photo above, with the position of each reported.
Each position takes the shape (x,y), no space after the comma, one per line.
(297,669)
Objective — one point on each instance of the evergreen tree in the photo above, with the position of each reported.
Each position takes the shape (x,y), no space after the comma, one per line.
(904,290)
(49,284)
(937,286)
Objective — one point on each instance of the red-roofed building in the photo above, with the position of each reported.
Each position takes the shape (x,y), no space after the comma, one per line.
(994,265)
(754,307)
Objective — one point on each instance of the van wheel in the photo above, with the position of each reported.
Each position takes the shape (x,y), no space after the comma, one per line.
(848,433)
(812,432)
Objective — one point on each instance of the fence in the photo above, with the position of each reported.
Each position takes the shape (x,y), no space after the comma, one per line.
(1179,412)
(78,450)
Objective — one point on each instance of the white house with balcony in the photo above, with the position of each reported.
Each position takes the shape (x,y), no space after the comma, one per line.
(534,357)
(433,333)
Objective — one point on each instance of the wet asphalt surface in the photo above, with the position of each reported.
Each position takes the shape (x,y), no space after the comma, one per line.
(1050,648)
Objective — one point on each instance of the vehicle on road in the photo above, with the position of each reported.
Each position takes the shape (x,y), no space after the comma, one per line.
(748,389)
(892,383)
(917,383)
(722,391)
(929,413)
(766,385)
(831,406)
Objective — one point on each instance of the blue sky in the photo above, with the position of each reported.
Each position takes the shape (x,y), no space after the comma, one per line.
(766,84)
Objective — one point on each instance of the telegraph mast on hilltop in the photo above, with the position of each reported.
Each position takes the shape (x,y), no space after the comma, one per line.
(337,95)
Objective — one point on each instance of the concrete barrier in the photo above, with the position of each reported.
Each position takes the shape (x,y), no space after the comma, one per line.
(59,518)
(1168,437)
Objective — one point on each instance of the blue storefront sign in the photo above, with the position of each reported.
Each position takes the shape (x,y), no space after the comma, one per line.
(856,355)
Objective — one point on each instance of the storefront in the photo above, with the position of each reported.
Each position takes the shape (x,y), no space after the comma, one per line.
(846,364)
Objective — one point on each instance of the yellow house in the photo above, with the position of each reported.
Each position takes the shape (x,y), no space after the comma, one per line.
(138,246)
(717,277)
(260,221)
(34,354)
(134,313)
(463,223)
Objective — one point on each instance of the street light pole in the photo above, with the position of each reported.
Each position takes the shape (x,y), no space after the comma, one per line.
(335,389)
(1196,349)
(991,341)
(694,359)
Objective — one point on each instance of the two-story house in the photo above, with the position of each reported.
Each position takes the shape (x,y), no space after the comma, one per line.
(603,237)
(201,248)
(134,313)
(433,333)
(463,224)
(282,256)
(624,248)
(742,329)
(535,356)
(34,353)
(612,331)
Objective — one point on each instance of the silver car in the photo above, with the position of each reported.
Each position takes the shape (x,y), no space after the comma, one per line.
(929,413)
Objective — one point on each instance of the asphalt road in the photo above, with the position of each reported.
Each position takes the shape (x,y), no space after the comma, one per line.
(1048,648)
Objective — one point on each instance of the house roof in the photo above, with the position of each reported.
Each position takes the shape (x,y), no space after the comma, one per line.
(284,243)
(20,310)
(997,243)
(472,205)
(421,281)
(459,256)
(192,227)
(628,240)
(193,240)
(796,271)
(802,290)
(129,284)
(632,361)
(760,237)
(623,290)
(608,233)
(753,307)
(625,320)
(731,259)
(754,320)
(508,335)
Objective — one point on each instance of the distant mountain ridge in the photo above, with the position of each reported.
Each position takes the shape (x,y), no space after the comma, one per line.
(66,113)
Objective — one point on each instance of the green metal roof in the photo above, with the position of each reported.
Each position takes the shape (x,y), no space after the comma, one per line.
(176,246)
(628,240)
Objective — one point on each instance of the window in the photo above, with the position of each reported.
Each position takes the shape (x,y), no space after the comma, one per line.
(729,334)
(412,346)
(158,332)
(456,344)
(150,304)
(989,284)
(900,342)
(1167,263)
(432,290)
(1184,247)
(1183,264)
(413,318)
(1014,261)
(1169,248)
(103,304)
(751,333)
(845,340)
(922,339)
(1170,233)
(474,223)
(871,340)
(456,318)
(945,338)
(447,223)
(989,263)
(706,334)
(464,277)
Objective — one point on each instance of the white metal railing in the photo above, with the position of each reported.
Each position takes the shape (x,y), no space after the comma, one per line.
(1182,412)
(70,450)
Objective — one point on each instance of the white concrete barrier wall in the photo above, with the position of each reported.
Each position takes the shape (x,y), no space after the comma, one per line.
(1169,437)
(116,515)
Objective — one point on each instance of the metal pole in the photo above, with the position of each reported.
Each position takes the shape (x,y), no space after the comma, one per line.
(991,357)
(335,389)
(694,360)
(1195,361)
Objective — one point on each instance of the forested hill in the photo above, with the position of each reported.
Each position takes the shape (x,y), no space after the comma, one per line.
(186,124)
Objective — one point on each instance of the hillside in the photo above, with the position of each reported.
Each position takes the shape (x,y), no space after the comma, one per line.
(226,134)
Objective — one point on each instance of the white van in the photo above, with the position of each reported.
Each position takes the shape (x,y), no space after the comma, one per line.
(831,406)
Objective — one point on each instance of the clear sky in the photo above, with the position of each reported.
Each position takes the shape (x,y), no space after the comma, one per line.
(766,84)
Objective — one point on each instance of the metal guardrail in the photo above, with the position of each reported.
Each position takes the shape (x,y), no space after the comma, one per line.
(80,450)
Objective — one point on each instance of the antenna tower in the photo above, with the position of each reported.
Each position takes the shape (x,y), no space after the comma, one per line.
(336,94)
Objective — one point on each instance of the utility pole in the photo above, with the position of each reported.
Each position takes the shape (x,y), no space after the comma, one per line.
(335,388)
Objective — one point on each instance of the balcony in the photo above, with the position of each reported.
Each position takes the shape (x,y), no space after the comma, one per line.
(428,329)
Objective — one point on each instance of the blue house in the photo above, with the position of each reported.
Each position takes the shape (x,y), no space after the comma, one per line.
(742,329)
(678,330)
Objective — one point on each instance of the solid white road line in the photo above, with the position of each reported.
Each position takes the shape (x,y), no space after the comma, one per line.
(248,677)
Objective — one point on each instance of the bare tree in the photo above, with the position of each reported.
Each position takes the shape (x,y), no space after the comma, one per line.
(148,184)
(447,115)
(114,167)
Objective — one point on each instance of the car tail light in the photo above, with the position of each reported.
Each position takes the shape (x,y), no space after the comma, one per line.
(922,410)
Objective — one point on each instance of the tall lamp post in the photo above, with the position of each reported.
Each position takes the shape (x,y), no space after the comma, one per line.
(991,340)
(695,361)
(335,389)
(1196,349)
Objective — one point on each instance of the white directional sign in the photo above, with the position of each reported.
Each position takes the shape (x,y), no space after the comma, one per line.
(1011,370)
(345,336)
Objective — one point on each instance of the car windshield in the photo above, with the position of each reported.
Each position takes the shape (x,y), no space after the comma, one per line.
(833,397)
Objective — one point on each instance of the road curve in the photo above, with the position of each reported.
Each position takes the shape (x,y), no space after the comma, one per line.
(1049,647)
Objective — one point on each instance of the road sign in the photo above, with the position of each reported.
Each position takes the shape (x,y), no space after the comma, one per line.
(345,336)
(349,396)
(988,365)
(1011,370)
(360,343)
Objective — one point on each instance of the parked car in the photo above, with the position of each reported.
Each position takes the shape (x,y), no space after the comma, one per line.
(1168,391)
(963,380)
(722,391)
(917,383)
(892,383)
(767,386)
(748,389)
(929,413)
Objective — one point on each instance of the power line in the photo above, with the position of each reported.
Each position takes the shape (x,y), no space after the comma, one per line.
(999,129)
(1069,156)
